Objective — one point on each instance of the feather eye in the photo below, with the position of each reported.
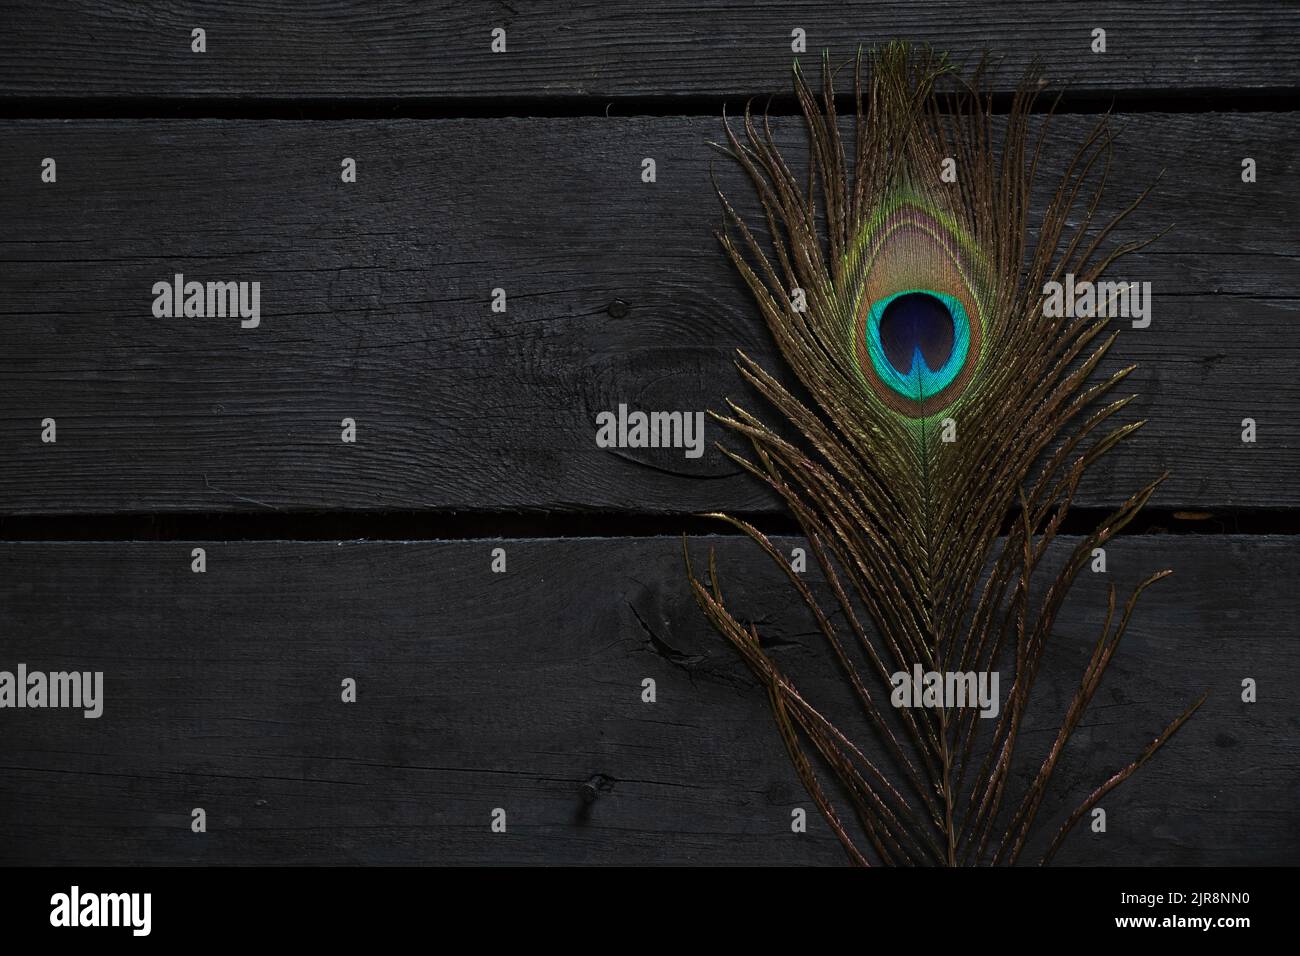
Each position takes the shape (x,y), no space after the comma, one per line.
(917,332)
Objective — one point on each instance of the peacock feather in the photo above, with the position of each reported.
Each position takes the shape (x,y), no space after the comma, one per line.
(934,443)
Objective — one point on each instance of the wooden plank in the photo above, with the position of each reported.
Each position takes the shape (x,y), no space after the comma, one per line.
(375,301)
(479,690)
(351,49)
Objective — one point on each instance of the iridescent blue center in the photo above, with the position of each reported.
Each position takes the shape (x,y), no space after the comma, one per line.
(918,340)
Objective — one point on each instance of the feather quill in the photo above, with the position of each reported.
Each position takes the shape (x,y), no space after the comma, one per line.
(938,398)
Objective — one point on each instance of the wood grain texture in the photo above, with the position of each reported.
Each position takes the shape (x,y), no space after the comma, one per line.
(479,690)
(375,301)
(351,48)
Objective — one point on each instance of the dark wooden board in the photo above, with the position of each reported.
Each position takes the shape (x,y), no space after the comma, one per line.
(376,306)
(351,48)
(479,690)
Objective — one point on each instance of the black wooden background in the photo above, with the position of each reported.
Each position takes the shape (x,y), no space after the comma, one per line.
(476,429)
